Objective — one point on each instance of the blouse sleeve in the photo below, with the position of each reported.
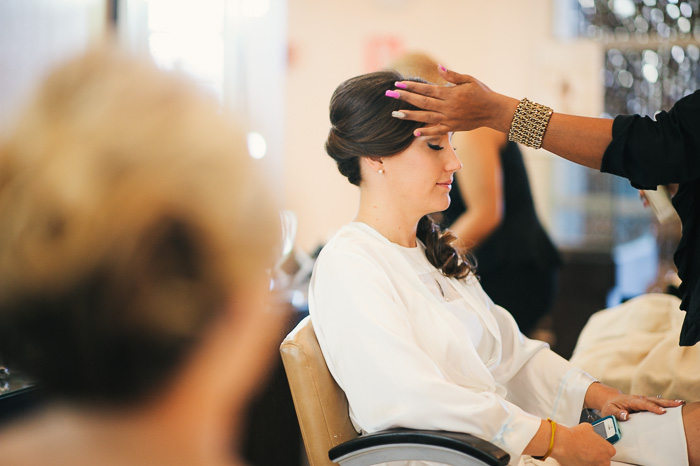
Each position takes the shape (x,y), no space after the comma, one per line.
(651,152)
(537,379)
(372,352)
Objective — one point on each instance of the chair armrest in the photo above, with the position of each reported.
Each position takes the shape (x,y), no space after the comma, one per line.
(457,449)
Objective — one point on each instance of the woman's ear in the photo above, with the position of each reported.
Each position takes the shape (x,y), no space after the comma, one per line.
(374,163)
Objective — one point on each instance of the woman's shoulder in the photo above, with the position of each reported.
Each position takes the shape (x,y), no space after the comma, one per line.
(356,248)
(355,237)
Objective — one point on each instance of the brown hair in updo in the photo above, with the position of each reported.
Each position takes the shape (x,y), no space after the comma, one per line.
(362,126)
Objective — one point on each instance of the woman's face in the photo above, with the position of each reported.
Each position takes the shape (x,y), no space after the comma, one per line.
(421,176)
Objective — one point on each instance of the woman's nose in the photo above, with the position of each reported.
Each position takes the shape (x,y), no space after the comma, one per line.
(453,163)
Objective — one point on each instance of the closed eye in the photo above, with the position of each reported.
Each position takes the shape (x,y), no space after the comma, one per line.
(435,146)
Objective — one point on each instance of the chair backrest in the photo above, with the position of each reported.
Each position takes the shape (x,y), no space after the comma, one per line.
(321,406)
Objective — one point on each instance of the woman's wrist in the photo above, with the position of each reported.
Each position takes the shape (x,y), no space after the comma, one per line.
(598,394)
(504,110)
(550,448)
(541,443)
(561,440)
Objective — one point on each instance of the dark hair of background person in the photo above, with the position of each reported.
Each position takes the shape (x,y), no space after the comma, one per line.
(362,126)
(129,217)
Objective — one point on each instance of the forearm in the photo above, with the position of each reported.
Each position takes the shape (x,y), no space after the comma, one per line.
(471,230)
(581,140)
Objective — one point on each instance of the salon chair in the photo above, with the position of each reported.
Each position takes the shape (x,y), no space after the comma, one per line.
(329,436)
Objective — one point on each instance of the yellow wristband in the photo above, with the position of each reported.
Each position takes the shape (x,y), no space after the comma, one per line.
(551,442)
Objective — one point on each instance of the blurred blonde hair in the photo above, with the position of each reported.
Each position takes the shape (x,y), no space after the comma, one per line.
(131,211)
(418,65)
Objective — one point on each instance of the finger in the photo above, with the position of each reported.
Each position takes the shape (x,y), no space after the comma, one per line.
(659,404)
(420,101)
(424,89)
(419,115)
(622,415)
(436,130)
(668,403)
(651,404)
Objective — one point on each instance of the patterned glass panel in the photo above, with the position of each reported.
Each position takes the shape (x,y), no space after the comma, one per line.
(640,19)
(647,80)
(652,59)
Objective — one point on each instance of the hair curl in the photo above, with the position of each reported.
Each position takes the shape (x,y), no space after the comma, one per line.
(362,126)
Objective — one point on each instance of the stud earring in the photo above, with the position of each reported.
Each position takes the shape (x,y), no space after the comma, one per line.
(381,171)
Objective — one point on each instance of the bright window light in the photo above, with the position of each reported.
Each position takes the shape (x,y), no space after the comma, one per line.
(255,8)
(188,35)
(257,147)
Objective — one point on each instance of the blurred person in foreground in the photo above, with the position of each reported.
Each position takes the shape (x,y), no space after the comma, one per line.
(135,245)
(648,152)
(492,214)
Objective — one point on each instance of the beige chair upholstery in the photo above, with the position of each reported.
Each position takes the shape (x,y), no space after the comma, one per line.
(322,410)
(321,406)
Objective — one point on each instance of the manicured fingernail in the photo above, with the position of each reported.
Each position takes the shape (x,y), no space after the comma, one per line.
(397,114)
(400,85)
(442,68)
(624,416)
(393,94)
(680,401)
(416,133)
(663,410)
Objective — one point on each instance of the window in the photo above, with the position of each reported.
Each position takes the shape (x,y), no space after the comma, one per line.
(234,48)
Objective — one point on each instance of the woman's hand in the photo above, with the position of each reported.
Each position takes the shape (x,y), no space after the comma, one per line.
(466,105)
(581,446)
(622,406)
(611,402)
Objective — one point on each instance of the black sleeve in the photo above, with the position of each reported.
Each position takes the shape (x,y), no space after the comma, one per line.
(653,152)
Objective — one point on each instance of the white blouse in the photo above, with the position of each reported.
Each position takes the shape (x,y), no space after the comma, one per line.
(412,348)
(441,287)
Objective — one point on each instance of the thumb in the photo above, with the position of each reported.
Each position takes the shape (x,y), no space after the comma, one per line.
(452,76)
(622,415)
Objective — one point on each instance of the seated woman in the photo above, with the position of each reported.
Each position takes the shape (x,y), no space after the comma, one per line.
(134,288)
(413,340)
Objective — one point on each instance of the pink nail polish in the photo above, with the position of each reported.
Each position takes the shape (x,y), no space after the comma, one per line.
(442,68)
(416,133)
(400,85)
(393,94)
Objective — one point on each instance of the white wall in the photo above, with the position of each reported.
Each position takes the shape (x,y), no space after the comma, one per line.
(508,44)
(36,35)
